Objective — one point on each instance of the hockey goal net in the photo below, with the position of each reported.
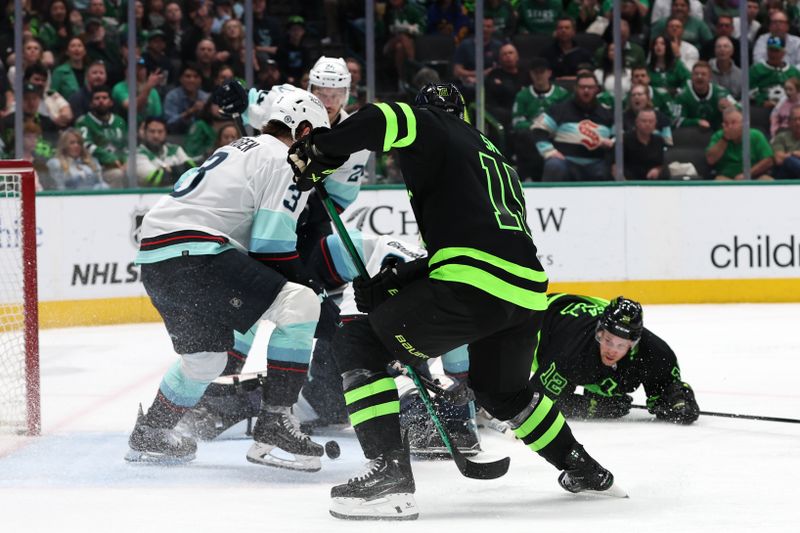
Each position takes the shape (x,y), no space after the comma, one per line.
(19,323)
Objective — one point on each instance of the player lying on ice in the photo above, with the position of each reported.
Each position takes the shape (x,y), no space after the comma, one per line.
(481,286)
(604,347)
(218,255)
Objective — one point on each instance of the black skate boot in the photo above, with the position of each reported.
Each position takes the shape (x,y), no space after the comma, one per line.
(584,474)
(150,444)
(384,491)
(279,442)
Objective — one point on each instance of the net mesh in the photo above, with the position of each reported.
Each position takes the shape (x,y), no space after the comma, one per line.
(13,409)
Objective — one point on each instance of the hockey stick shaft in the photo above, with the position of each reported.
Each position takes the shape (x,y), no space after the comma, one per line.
(739,415)
(467,468)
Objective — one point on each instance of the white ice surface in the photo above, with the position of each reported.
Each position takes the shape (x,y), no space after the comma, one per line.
(719,474)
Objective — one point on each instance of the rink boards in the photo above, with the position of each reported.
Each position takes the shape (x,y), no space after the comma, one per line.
(661,243)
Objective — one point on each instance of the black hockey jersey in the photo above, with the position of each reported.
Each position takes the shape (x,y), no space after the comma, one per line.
(466,197)
(568,354)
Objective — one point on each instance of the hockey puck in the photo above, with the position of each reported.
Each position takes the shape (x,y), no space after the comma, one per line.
(332,449)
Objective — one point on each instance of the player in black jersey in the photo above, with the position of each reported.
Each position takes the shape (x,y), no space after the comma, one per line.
(604,347)
(481,285)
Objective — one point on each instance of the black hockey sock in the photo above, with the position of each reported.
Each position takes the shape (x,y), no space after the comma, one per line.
(283,382)
(543,429)
(163,413)
(323,388)
(374,409)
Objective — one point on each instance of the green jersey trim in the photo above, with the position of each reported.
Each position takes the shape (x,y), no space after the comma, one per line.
(176,250)
(392,127)
(536,418)
(376,387)
(512,268)
(480,279)
(374,411)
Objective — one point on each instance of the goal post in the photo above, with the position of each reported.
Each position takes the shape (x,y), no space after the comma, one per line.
(20,410)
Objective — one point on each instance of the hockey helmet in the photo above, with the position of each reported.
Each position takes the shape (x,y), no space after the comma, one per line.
(293,107)
(445,96)
(260,104)
(329,72)
(329,80)
(623,318)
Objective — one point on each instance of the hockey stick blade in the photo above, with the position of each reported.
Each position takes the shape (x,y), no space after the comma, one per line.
(738,415)
(468,468)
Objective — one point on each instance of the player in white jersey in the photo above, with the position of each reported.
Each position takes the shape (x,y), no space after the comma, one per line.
(218,254)
(329,80)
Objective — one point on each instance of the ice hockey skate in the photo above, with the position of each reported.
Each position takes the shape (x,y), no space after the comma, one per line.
(584,474)
(383,491)
(280,443)
(158,445)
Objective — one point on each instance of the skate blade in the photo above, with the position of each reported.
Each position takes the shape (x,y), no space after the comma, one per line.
(400,506)
(269,455)
(614,491)
(134,456)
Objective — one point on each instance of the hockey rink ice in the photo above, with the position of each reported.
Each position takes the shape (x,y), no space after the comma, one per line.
(718,475)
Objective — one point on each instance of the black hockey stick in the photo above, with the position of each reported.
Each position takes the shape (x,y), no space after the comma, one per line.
(738,415)
(470,469)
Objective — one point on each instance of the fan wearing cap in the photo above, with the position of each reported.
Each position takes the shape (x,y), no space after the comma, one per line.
(32,95)
(294,51)
(604,347)
(778,26)
(767,79)
(528,104)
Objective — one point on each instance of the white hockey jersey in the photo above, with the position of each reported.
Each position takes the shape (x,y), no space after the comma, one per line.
(374,250)
(344,184)
(242,197)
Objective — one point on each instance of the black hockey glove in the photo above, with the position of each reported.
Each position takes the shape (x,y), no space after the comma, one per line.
(329,320)
(590,405)
(309,164)
(677,404)
(371,292)
(231,98)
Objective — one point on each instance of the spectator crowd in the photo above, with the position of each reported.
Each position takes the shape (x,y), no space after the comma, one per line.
(549,81)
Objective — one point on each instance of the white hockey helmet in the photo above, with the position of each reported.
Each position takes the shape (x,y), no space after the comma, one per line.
(260,104)
(293,107)
(329,72)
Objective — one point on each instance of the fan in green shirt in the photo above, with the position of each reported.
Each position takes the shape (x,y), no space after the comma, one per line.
(148,102)
(537,97)
(702,102)
(539,16)
(767,79)
(724,152)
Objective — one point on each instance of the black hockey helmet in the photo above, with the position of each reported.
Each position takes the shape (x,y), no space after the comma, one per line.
(623,318)
(442,95)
